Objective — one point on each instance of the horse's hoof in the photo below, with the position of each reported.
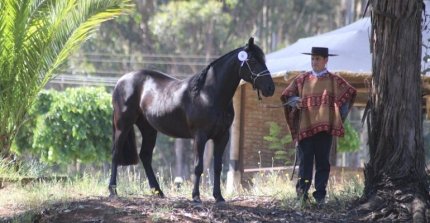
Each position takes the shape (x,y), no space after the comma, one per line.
(161,195)
(196,199)
(112,192)
(113,196)
(157,192)
(220,200)
(220,203)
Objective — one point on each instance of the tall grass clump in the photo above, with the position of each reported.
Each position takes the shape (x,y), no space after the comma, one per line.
(272,183)
(8,169)
(345,190)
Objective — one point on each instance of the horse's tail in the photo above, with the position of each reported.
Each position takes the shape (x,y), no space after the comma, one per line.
(127,154)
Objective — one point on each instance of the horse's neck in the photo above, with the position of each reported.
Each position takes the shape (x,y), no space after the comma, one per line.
(222,81)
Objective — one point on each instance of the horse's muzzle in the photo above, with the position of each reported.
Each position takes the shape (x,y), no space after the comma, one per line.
(268,90)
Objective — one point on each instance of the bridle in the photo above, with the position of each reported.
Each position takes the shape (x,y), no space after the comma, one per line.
(254,76)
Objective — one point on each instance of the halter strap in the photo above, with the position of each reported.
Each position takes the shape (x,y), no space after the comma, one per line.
(254,76)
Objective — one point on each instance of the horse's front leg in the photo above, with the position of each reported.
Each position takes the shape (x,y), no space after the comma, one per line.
(112,181)
(219,147)
(199,148)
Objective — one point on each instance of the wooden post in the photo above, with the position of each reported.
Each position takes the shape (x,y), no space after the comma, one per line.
(234,174)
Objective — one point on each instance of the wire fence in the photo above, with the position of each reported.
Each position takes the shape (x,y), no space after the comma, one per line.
(100,69)
(67,79)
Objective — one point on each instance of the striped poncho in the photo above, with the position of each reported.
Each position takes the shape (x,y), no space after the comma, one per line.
(319,111)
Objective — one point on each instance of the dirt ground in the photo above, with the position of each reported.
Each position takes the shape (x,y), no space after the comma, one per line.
(253,209)
(153,209)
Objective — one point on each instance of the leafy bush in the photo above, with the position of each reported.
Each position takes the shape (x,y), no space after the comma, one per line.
(69,126)
(24,139)
(350,142)
(278,143)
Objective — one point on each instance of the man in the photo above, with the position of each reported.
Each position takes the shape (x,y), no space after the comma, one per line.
(316,104)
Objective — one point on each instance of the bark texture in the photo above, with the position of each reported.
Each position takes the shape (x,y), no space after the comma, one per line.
(396,185)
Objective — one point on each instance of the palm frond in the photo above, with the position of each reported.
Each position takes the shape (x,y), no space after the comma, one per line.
(36,37)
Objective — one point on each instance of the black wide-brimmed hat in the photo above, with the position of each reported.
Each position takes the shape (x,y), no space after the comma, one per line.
(320,51)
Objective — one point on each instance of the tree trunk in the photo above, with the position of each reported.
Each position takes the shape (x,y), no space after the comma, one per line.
(395,177)
(5,145)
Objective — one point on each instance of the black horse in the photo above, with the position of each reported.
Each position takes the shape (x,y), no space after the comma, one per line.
(199,107)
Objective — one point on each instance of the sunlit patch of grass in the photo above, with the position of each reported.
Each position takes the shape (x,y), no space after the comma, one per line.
(160,213)
(8,169)
(17,169)
(272,185)
(40,193)
(346,190)
(277,184)
(131,184)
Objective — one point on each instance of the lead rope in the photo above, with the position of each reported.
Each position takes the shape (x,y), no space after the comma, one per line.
(296,156)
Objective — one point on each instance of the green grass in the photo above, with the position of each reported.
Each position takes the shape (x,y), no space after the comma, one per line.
(273,184)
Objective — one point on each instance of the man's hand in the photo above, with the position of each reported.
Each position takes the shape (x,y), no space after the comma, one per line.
(294,102)
(298,104)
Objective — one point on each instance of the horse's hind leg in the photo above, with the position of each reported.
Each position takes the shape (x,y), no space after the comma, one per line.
(119,141)
(112,181)
(149,136)
(124,145)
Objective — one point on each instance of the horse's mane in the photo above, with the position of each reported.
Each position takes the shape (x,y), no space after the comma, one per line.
(198,80)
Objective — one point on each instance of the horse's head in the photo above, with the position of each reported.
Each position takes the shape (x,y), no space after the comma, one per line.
(253,68)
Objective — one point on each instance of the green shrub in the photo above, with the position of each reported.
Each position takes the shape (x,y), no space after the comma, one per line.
(350,142)
(278,143)
(69,126)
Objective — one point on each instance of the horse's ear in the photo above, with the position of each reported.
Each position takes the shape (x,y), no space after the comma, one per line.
(251,41)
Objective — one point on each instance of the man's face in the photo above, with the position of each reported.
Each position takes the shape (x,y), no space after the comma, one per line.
(319,63)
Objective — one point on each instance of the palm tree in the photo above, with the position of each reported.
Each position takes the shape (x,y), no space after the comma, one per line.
(36,37)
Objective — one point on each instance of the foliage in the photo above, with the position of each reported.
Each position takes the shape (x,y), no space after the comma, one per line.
(24,137)
(278,143)
(13,169)
(36,36)
(69,126)
(207,22)
(117,42)
(75,125)
(181,37)
(351,141)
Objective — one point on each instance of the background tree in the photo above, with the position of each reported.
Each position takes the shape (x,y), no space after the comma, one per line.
(181,37)
(36,36)
(395,177)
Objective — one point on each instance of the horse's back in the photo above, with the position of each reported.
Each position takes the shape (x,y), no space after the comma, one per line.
(136,78)
(132,82)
